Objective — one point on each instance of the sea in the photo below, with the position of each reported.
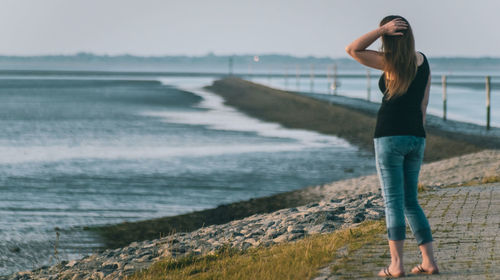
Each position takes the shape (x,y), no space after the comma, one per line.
(90,148)
(86,151)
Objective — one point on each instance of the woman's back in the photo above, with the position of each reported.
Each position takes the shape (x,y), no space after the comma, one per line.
(402,115)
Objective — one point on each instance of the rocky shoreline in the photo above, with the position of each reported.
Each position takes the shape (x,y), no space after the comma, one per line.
(350,118)
(345,203)
(330,207)
(260,229)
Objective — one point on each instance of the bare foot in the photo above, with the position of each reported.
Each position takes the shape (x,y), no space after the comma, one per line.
(425,269)
(391,271)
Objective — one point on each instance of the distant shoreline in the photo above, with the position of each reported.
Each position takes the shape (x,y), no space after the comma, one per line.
(291,110)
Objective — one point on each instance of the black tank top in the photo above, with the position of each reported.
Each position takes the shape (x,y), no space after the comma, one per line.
(402,115)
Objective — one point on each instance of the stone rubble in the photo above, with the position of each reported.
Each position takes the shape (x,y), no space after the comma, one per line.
(344,203)
(257,230)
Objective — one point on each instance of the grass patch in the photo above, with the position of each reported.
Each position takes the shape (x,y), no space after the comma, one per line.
(475,182)
(293,260)
(422,188)
(478,181)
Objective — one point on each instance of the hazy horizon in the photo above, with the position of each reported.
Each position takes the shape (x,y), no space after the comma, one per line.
(300,28)
(208,54)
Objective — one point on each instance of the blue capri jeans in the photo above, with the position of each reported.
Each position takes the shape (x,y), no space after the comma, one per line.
(398,159)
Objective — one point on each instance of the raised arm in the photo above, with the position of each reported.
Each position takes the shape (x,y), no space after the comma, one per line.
(357,49)
(425,101)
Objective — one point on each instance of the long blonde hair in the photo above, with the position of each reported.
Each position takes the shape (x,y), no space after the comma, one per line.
(400,59)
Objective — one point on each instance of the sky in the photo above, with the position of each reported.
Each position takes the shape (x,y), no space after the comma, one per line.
(225,27)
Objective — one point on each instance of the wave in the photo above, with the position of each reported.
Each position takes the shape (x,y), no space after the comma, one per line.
(11,155)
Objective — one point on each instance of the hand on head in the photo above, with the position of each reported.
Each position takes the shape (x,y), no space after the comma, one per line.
(394,27)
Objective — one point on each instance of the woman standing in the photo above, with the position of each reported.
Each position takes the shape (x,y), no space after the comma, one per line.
(400,135)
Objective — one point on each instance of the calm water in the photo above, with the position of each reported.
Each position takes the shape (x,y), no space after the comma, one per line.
(99,150)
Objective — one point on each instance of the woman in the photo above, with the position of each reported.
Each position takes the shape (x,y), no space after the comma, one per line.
(399,135)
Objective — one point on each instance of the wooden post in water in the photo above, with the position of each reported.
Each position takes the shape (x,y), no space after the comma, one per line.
(443,81)
(251,71)
(328,80)
(368,84)
(286,77)
(297,76)
(488,97)
(312,78)
(335,78)
(230,66)
(269,75)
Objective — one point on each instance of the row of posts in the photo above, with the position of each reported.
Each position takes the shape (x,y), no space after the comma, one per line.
(333,86)
(488,99)
(331,77)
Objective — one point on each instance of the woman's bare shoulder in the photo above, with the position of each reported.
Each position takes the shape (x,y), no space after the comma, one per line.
(420,58)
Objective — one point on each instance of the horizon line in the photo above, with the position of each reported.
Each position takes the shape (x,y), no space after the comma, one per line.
(212,54)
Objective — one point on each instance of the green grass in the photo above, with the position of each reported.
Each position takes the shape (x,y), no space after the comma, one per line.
(475,182)
(293,260)
(422,188)
(471,183)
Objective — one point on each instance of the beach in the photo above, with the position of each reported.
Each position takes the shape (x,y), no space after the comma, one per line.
(353,123)
(444,167)
(83,150)
(338,205)
(122,234)
(145,140)
(341,205)
(269,104)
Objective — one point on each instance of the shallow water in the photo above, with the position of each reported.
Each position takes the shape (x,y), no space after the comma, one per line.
(79,151)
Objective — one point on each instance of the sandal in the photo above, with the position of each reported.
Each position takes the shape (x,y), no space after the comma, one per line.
(389,275)
(421,270)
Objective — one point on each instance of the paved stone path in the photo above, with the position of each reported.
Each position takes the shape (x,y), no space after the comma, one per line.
(466,228)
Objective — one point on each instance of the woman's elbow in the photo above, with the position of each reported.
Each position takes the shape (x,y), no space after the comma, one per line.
(350,51)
